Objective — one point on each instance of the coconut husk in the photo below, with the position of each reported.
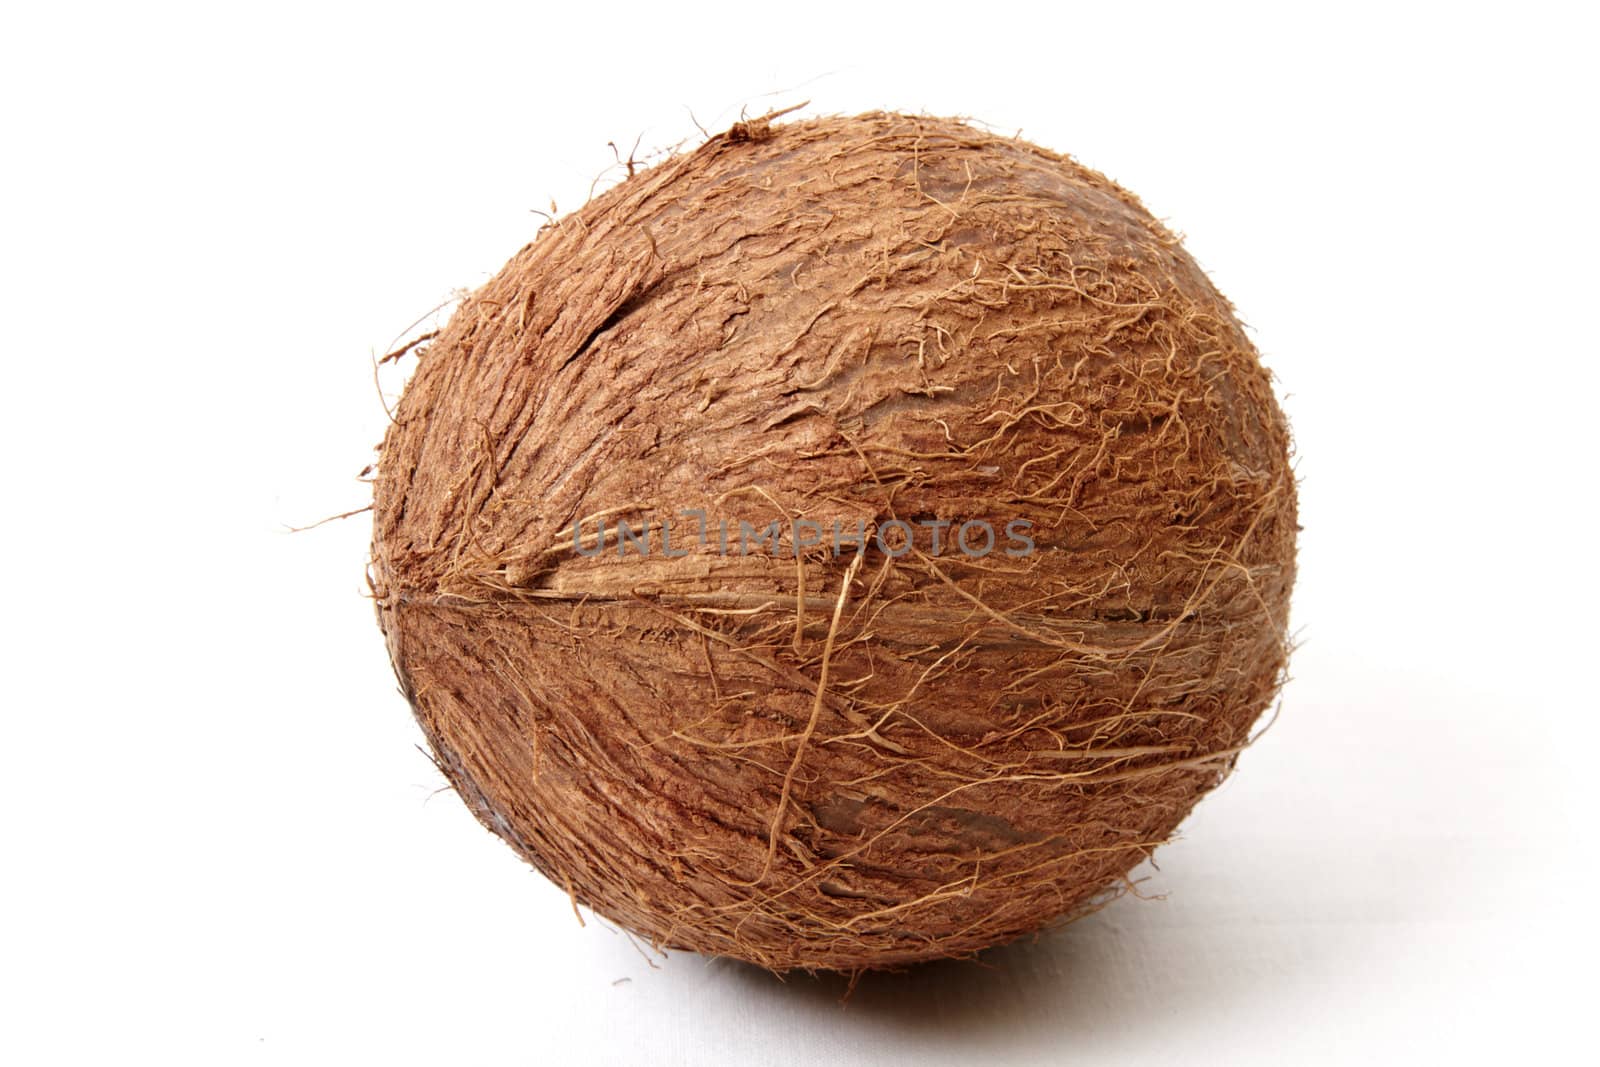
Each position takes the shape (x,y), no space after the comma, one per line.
(839,757)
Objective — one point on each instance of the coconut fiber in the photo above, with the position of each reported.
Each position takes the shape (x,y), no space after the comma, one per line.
(832,745)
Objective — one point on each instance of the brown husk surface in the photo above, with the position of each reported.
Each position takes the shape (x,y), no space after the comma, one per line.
(840,763)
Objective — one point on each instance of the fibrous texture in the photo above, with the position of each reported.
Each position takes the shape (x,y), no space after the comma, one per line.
(847,750)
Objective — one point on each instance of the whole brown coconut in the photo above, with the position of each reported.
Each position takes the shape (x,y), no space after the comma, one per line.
(877,749)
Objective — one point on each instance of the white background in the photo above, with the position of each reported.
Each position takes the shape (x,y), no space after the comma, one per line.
(220,841)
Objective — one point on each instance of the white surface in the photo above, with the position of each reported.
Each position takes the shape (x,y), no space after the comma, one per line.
(220,842)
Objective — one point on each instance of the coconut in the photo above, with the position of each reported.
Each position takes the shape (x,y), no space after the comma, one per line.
(851,542)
